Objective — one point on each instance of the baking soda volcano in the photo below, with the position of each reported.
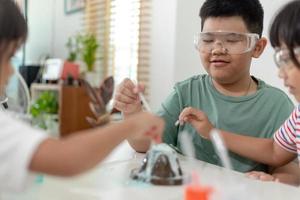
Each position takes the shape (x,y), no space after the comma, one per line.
(160,167)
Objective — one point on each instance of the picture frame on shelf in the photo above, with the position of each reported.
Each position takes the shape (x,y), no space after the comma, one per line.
(72,6)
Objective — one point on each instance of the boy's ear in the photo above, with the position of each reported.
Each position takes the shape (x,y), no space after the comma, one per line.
(259,47)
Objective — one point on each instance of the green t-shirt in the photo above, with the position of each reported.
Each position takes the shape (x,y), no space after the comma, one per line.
(259,115)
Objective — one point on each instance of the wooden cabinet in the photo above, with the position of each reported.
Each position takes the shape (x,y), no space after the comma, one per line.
(74,108)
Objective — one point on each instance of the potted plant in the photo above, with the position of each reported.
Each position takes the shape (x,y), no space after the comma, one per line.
(88,52)
(89,46)
(73,45)
(83,47)
(44,111)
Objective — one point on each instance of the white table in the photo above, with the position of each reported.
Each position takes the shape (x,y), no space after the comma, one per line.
(110,180)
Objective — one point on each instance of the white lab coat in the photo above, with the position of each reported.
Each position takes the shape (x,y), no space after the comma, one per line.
(18,142)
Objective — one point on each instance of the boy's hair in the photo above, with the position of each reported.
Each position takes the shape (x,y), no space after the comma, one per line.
(285,28)
(250,11)
(13,26)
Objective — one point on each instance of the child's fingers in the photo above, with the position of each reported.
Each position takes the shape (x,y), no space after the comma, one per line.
(125,91)
(124,98)
(127,83)
(153,135)
(260,176)
(190,112)
(266,177)
(157,139)
(194,122)
(139,88)
(120,105)
(253,174)
(186,118)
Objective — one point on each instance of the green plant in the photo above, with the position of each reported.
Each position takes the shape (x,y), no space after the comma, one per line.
(73,46)
(45,105)
(89,50)
(83,46)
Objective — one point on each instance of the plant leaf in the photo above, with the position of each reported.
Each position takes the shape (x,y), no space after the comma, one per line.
(106,89)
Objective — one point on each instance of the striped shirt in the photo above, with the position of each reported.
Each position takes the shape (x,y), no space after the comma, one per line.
(288,135)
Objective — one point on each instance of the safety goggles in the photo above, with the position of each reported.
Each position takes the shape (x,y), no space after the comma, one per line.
(283,58)
(228,42)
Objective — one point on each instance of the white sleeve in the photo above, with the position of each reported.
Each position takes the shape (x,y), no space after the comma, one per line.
(18,142)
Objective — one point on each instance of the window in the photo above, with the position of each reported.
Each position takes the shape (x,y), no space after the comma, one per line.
(123,30)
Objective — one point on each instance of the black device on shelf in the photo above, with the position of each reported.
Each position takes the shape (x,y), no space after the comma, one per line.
(31,74)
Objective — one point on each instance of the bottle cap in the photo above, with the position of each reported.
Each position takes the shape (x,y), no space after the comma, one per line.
(197,192)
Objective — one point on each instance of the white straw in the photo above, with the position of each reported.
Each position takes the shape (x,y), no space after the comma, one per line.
(144,101)
(187,144)
(188,149)
(147,107)
(220,148)
(4,100)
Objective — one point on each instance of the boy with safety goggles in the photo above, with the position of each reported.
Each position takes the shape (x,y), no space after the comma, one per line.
(285,145)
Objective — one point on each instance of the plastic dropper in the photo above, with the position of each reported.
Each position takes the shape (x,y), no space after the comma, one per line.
(147,107)
(220,148)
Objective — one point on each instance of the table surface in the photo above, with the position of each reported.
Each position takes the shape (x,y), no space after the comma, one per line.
(110,180)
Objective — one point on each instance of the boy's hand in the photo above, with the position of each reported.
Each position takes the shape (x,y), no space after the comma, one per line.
(197,119)
(126,98)
(260,176)
(147,124)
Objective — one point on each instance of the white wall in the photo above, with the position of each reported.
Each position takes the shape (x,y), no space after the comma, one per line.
(162,50)
(64,26)
(187,61)
(49,29)
(40,30)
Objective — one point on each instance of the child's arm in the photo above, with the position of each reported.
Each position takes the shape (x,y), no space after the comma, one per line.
(262,150)
(259,149)
(80,152)
(289,174)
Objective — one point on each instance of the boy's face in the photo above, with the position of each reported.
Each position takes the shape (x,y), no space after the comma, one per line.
(288,71)
(223,67)
(6,69)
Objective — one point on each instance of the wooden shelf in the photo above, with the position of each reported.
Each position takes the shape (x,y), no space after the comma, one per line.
(73,106)
(37,88)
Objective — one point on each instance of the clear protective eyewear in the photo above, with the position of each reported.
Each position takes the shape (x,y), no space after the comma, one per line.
(230,42)
(283,58)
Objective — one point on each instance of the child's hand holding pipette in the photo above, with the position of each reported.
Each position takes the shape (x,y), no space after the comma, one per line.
(148,109)
(127,98)
(197,119)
